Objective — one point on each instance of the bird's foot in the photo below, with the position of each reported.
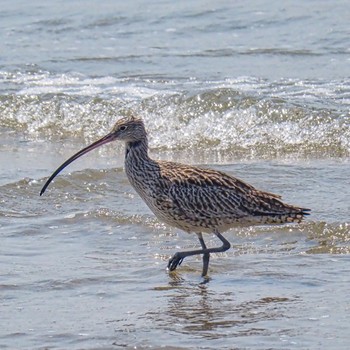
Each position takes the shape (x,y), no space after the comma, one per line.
(175,261)
(206,280)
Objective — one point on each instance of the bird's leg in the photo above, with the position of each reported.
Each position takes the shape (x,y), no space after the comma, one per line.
(206,256)
(178,257)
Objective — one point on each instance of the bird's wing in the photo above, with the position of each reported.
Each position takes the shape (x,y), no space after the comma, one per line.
(204,202)
(204,193)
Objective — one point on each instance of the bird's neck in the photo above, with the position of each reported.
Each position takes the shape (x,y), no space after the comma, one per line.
(137,150)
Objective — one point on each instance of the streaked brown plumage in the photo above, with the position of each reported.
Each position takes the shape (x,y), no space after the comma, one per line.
(191,198)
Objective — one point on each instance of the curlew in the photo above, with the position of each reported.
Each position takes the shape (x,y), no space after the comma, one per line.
(190,198)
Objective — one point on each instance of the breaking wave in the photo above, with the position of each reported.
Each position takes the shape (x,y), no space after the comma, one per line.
(245,117)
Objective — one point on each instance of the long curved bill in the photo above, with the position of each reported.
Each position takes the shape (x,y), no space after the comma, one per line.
(106,139)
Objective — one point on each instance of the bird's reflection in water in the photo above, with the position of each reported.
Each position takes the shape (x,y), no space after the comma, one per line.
(213,312)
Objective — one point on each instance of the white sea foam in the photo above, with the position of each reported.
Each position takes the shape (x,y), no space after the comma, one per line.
(246,115)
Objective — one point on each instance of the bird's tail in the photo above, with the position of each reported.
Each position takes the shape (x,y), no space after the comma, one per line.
(296,215)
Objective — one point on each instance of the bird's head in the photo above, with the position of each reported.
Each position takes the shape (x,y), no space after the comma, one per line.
(128,129)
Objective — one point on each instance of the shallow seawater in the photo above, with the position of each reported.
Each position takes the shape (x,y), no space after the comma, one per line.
(259,90)
(85,267)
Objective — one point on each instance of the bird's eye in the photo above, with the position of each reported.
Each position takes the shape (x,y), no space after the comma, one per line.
(123,127)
